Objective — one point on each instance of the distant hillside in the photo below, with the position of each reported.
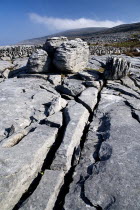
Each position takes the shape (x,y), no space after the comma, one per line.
(122,28)
(87,33)
(82,32)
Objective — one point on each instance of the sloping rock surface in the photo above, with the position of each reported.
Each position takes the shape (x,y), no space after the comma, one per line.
(70,141)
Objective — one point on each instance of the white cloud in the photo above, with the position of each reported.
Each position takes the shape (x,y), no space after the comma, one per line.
(59,24)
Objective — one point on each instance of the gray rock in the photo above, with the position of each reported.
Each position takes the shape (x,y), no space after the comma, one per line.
(53,43)
(5,58)
(5,65)
(89,98)
(22,101)
(38,62)
(46,193)
(105,175)
(55,79)
(22,162)
(76,117)
(5,74)
(71,56)
(127,81)
(116,68)
(56,105)
(72,87)
(90,75)
(97,62)
(54,120)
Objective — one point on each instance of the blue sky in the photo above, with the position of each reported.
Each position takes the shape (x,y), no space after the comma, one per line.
(24,19)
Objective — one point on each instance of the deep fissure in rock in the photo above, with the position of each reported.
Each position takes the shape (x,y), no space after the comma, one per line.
(46,165)
(69,176)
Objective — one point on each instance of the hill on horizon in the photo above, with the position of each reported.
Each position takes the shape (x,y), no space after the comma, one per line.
(86,33)
(73,33)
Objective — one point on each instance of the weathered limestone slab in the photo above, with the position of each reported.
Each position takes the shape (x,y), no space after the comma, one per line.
(116,68)
(38,62)
(108,173)
(5,65)
(97,62)
(45,195)
(56,105)
(71,56)
(90,75)
(72,87)
(76,117)
(53,43)
(21,163)
(89,98)
(130,83)
(20,62)
(24,100)
(55,79)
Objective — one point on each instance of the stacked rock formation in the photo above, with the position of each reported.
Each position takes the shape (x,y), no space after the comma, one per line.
(53,43)
(39,62)
(116,68)
(67,56)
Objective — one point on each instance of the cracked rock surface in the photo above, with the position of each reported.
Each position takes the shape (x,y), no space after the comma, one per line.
(70,141)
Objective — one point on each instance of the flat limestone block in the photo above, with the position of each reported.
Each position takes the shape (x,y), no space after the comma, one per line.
(76,117)
(45,195)
(89,98)
(5,65)
(72,87)
(22,100)
(108,172)
(21,163)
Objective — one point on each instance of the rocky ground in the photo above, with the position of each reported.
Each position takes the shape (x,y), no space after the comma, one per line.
(69,141)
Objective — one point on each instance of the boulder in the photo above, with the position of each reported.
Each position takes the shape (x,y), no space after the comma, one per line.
(116,68)
(53,43)
(71,56)
(39,62)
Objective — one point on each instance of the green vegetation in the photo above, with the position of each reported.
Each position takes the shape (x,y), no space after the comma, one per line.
(101,70)
(132,54)
(135,35)
(128,44)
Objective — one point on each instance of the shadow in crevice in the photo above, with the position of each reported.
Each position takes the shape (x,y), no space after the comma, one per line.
(103,134)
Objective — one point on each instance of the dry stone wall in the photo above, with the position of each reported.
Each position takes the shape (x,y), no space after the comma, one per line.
(101,50)
(17,51)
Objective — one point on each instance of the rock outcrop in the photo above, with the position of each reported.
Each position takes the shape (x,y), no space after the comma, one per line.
(67,56)
(116,68)
(53,43)
(71,56)
(69,141)
(39,62)
(103,179)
